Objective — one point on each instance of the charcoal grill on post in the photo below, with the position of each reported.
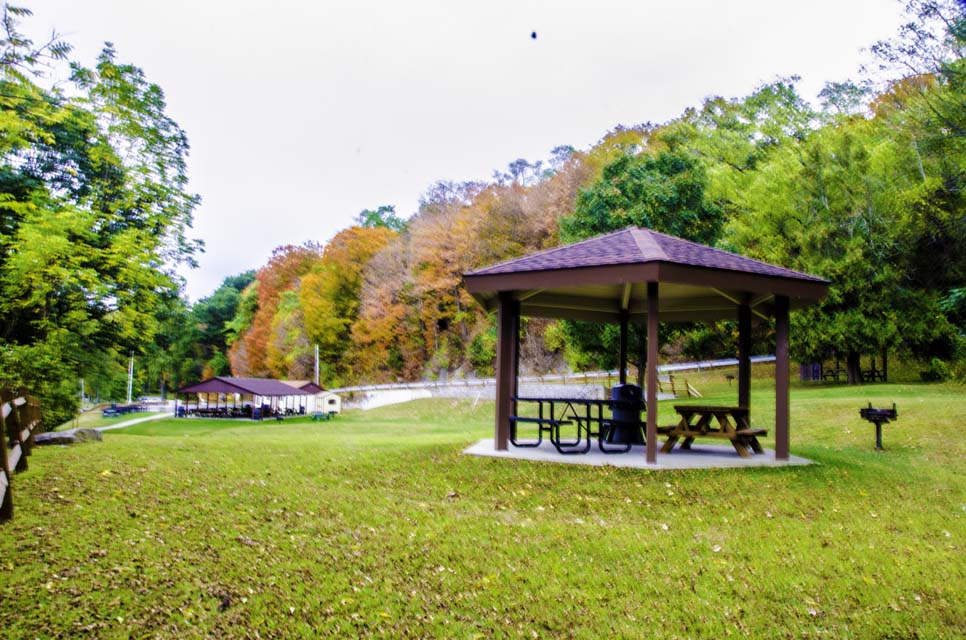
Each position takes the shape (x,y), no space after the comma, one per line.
(879,417)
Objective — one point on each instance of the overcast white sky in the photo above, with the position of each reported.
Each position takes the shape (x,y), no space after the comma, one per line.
(301,114)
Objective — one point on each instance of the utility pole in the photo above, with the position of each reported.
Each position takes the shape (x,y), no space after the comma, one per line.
(130,378)
(316,365)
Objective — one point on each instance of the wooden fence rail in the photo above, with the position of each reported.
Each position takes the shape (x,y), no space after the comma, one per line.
(19,419)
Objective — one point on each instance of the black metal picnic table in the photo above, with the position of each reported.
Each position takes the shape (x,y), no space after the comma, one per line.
(588,416)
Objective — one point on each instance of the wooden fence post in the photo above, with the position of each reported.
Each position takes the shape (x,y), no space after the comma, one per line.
(15,424)
(19,419)
(6,503)
(33,418)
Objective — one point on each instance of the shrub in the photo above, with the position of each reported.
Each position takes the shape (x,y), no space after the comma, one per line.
(482,352)
(936,372)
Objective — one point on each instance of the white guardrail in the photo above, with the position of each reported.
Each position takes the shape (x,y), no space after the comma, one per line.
(560,378)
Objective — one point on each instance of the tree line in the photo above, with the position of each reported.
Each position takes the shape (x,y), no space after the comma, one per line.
(94,218)
(864,189)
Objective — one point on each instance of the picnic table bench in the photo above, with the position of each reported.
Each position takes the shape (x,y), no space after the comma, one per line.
(549,426)
(833,374)
(873,375)
(588,416)
(730,423)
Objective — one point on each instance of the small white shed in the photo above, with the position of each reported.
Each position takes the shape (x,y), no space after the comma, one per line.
(321,400)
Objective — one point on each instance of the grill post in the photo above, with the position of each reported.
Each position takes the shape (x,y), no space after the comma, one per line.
(878,417)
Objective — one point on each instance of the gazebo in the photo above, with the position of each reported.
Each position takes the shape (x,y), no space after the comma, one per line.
(637,275)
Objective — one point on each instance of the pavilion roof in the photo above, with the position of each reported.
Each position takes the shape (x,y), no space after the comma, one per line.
(305,385)
(594,279)
(264,387)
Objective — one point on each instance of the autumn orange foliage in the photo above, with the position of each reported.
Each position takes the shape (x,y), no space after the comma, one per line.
(386,306)
(249,354)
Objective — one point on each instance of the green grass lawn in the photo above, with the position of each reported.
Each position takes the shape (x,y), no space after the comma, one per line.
(375,524)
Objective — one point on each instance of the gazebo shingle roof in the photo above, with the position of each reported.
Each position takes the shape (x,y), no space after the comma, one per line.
(597,279)
(635,245)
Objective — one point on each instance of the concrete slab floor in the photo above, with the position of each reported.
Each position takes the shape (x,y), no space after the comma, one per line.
(700,456)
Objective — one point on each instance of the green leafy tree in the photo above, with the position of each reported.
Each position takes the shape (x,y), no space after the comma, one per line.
(664,192)
(191,343)
(932,43)
(171,359)
(94,214)
(213,316)
(382,216)
(832,205)
(733,137)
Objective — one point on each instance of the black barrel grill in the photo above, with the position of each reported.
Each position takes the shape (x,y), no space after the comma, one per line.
(625,423)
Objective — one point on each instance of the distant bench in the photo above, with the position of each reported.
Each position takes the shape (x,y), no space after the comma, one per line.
(120,410)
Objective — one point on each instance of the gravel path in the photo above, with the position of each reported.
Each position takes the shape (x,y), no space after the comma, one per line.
(128,423)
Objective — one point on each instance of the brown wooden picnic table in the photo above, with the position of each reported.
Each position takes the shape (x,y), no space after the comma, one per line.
(730,423)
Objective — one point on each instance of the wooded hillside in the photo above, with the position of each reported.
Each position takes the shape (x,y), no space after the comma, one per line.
(864,189)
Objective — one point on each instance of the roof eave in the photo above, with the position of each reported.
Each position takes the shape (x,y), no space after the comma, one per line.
(484,287)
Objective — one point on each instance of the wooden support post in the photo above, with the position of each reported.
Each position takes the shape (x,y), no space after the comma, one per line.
(623,347)
(652,323)
(515,385)
(744,355)
(507,318)
(642,357)
(782,399)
